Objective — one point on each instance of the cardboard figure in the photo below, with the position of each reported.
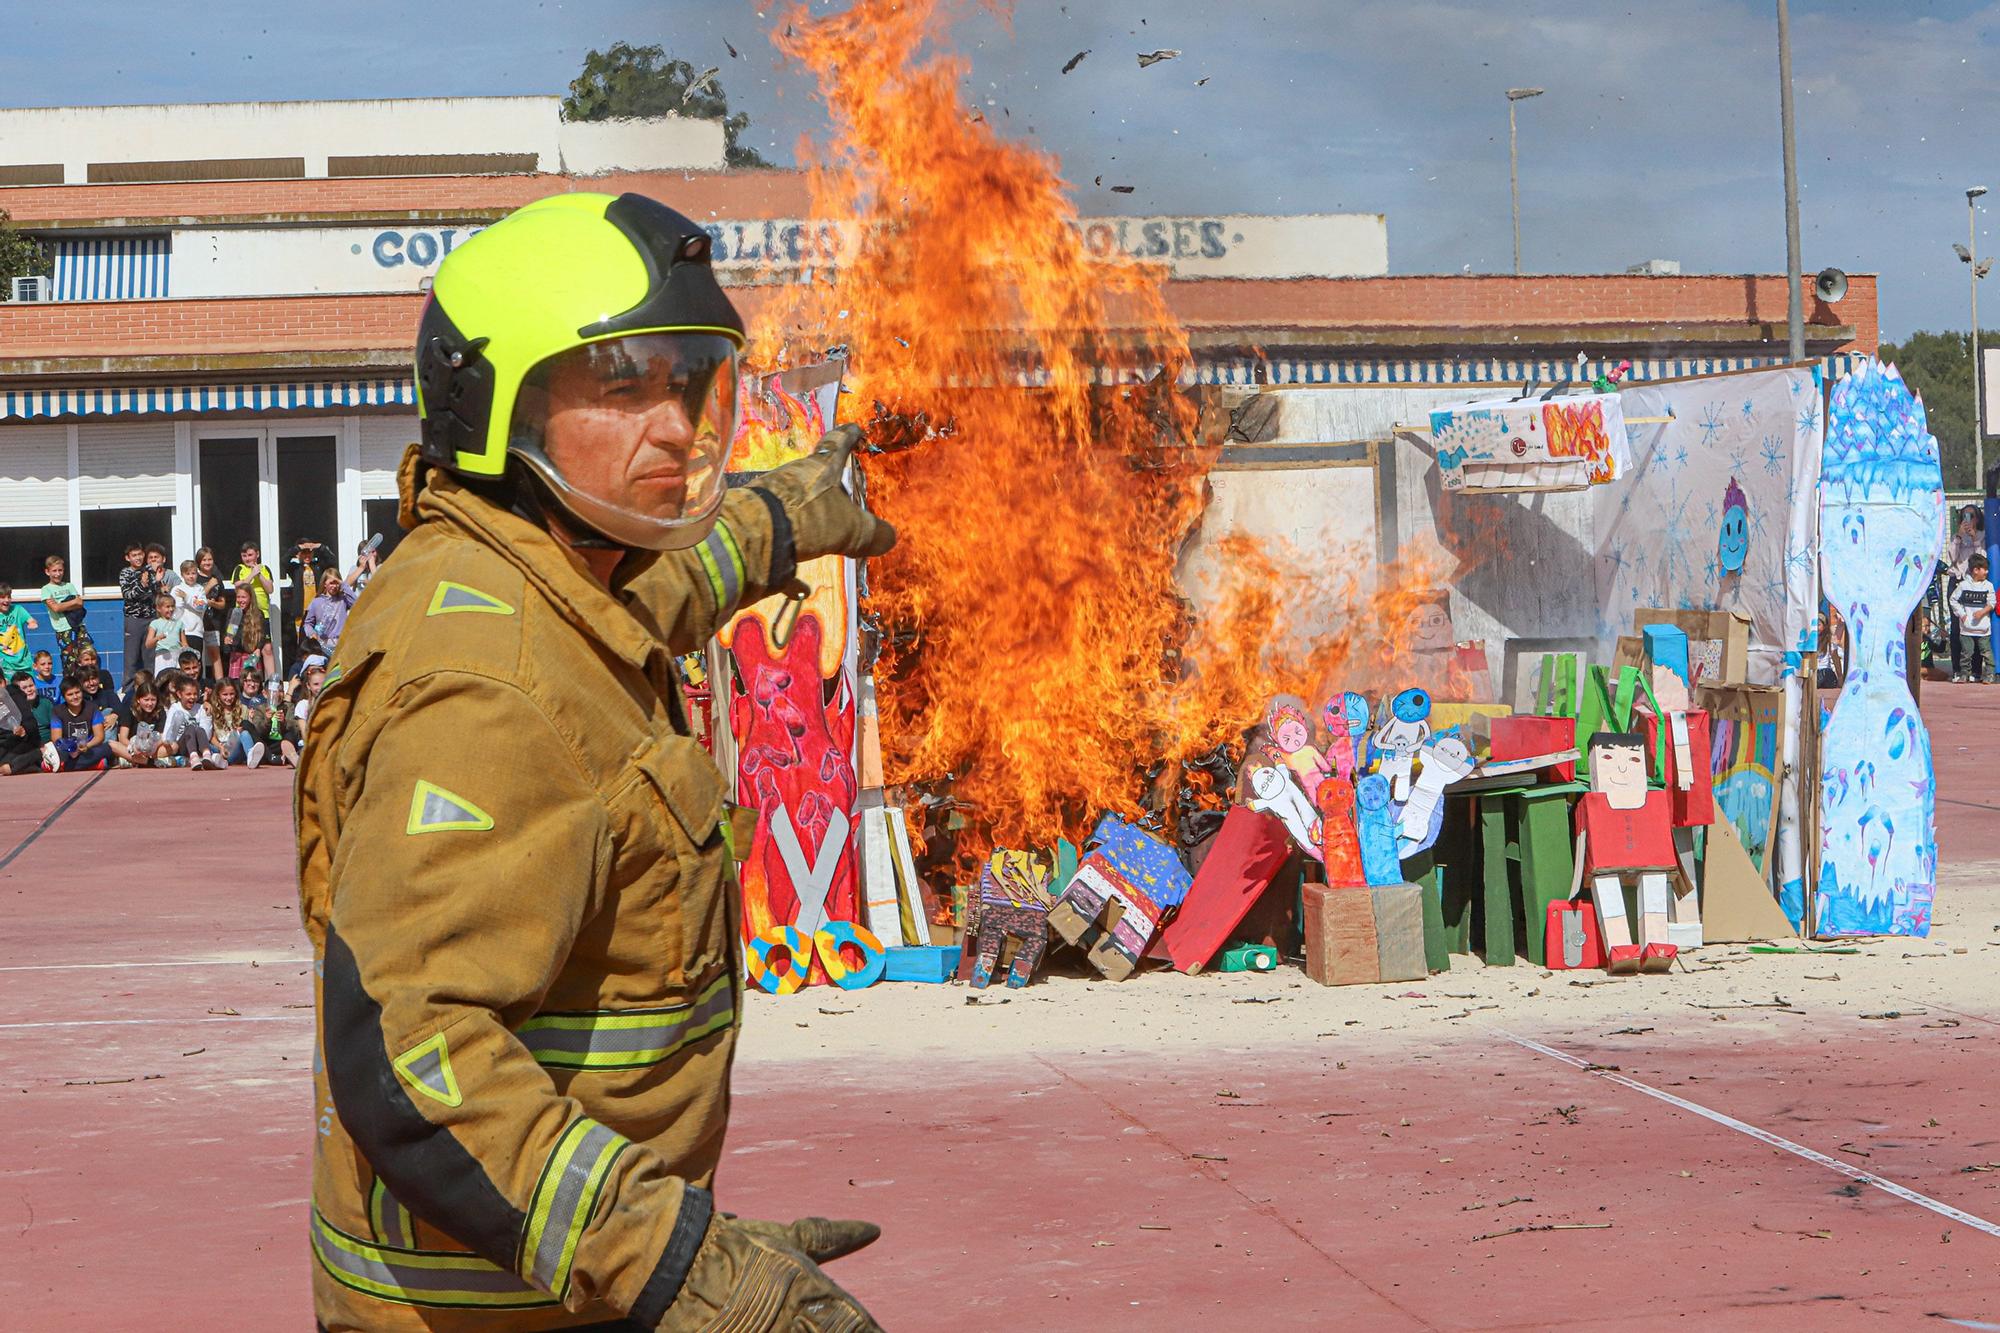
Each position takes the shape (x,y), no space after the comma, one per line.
(1733,542)
(1881,525)
(1012,905)
(1346,718)
(1624,830)
(1445,760)
(1432,639)
(1289,726)
(1146,863)
(1273,792)
(1377,830)
(1405,727)
(1339,838)
(1105,915)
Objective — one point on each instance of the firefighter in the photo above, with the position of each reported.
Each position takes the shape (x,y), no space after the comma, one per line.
(513,860)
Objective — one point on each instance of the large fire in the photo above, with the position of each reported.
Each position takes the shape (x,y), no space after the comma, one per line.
(1039,662)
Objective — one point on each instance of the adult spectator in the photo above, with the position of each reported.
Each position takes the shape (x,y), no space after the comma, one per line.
(138,605)
(307,565)
(20,736)
(215,615)
(15,622)
(327,615)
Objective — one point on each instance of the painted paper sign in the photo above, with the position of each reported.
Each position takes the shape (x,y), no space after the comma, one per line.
(1882,525)
(1564,444)
(791,696)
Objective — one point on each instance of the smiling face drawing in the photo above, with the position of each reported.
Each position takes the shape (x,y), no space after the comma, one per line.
(1733,544)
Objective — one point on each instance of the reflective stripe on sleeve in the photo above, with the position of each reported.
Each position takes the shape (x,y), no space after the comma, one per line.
(722,560)
(419,1277)
(564,1198)
(628,1038)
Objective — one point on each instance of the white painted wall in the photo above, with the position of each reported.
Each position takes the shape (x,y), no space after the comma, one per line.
(671,143)
(295,261)
(78,136)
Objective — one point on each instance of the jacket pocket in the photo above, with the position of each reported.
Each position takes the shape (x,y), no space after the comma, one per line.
(684,780)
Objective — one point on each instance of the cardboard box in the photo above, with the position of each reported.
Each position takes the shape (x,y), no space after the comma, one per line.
(1105,916)
(1718,643)
(1363,936)
(920,962)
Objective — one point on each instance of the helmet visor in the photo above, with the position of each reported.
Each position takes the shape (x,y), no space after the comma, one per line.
(632,434)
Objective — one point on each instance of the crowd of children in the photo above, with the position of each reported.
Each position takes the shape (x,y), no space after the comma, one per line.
(202,689)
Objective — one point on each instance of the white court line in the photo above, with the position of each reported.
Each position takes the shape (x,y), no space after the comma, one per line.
(198,962)
(157,1022)
(1890,1187)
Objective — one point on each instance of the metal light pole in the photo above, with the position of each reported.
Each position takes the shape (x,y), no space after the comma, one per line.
(1514,164)
(1795,311)
(1977,272)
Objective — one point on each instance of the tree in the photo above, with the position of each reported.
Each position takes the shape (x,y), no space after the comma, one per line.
(21,256)
(629,81)
(1938,369)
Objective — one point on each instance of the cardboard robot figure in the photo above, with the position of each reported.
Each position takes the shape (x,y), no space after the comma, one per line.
(1405,727)
(1623,830)
(1445,760)
(1273,792)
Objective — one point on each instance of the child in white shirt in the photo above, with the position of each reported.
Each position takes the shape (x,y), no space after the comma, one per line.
(1972,603)
(191,602)
(189,727)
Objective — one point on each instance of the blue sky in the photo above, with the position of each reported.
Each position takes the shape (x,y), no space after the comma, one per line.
(1658,136)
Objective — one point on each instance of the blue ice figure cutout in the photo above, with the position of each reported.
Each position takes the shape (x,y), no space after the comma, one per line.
(1882,516)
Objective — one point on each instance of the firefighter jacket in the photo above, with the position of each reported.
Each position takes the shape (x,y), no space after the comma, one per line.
(514,877)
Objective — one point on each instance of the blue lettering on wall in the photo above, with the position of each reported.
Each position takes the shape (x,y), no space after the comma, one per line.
(389,248)
(422,249)
(419,249)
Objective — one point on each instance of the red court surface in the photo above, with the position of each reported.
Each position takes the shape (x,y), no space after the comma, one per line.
(155,1056)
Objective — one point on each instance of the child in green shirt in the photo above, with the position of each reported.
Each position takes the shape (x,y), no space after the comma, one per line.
(15,622)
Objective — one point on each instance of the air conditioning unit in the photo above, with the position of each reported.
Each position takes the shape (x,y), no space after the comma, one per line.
(33,289)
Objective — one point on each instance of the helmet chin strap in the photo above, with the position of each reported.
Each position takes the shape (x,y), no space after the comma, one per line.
(521,493)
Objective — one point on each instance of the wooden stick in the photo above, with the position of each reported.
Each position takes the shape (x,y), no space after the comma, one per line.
(1546,1226)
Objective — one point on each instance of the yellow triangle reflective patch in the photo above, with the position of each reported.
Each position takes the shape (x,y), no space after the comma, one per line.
(451,597)
(427,1066)
(435,810)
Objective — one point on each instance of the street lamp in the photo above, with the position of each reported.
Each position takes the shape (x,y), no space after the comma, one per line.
(1795,307)
(1969,255)
(1514,164)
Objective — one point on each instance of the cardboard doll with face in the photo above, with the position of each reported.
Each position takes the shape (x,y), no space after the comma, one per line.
(1273,791)
(1289,726)
(1405,727)
(1346,718)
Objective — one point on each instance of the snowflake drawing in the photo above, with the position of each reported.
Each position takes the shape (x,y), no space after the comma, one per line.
(1772,453)
(1749,409)
(1711,424)
(1809,416)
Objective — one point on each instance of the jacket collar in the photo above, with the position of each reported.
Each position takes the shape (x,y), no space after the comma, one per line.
(430,495)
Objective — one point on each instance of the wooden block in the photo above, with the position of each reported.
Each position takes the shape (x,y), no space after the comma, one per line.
(1399,932)
(929,963)
(1525,736)
(1340,936)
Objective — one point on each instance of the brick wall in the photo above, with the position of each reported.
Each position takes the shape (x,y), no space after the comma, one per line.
(345,323)
(699,194)
(1490,302)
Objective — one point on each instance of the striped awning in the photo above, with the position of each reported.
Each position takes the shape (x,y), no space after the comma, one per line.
(1485,370)
(202,399)
(117,268)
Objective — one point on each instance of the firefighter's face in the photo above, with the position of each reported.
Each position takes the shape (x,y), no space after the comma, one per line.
(617,438)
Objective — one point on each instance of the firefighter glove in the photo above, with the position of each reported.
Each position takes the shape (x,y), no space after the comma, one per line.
(820,1239)
(744,1277)
(825,519)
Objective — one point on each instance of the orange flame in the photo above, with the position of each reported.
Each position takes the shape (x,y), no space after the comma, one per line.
(1039,463)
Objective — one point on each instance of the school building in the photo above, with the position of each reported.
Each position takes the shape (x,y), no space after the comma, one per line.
(221,352)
